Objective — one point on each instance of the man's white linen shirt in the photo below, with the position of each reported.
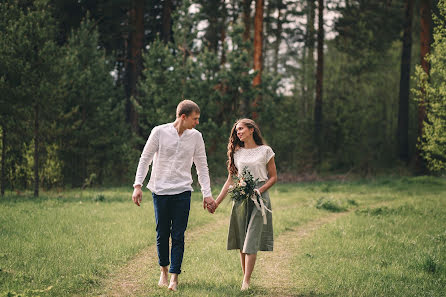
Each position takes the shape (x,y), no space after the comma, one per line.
(172,157)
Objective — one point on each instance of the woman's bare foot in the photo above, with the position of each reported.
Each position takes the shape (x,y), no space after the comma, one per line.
(163,277)
(245,286)
(173,286)
(173,282)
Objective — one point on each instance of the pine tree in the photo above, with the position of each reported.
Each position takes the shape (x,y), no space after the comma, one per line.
(30,42)
(90,126)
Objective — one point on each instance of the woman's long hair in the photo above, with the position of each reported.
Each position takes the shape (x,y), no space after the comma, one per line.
(235,143)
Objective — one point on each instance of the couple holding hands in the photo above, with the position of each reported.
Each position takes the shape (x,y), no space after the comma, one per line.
(171,149)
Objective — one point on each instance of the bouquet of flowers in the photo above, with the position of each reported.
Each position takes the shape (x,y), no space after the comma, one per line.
(244,185)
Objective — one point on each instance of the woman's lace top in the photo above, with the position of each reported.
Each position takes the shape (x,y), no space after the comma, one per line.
(255,159)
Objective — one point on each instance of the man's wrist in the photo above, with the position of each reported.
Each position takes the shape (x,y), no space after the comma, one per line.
(137,186)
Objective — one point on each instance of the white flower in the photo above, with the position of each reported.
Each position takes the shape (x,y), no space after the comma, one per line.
(243,183)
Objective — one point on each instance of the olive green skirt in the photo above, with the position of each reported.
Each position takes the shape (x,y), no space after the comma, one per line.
(246,229)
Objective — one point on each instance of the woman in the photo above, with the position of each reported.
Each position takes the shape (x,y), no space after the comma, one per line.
(248,230)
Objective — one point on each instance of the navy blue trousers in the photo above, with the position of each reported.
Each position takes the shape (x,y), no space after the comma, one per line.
(171,215)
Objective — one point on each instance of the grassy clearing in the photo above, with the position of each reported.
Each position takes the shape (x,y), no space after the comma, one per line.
(391,243)
(61,244)
(394,250)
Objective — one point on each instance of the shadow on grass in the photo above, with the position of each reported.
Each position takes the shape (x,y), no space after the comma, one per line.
(222,289)
(233,289)
(290,292)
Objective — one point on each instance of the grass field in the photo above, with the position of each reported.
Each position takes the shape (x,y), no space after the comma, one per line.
(384,237)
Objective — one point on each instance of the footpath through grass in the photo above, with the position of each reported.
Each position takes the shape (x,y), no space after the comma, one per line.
(391,242)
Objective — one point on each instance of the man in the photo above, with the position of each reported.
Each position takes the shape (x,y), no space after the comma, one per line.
(173,147)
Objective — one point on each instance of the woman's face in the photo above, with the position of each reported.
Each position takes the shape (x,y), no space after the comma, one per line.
(243,132)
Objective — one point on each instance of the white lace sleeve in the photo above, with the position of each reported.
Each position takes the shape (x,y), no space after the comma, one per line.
(269,154)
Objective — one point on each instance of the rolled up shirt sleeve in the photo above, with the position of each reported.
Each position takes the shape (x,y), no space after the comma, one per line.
(146,158)
(201,165)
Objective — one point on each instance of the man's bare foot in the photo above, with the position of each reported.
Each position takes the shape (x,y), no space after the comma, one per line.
(173,286)
(163,278)
(245,286)
(163,281)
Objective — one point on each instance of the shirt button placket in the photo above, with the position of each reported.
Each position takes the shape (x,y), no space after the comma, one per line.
(172,165)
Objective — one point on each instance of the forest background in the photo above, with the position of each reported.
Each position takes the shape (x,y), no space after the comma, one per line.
(337,86)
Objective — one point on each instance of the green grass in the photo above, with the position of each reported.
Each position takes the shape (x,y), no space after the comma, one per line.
(70,241)
(392,242)
(393,250)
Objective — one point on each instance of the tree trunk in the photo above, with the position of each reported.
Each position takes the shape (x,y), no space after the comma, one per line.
(36,149)
(211,36)
(268,31)
(303,85)
(426,39)
(2,178)
(403,112)
(309,64)
(223,24)
(278,37)
(246,16)
(134,61)
(167,21)
(319,79)
(258,46)
(247,19)
(223,40)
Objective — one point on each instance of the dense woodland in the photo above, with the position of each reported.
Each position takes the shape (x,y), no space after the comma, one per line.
(335,85)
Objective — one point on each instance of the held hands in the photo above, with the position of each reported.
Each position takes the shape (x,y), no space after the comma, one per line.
(209,203)
(137,195)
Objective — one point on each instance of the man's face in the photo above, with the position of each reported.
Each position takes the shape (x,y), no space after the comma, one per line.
(192,120)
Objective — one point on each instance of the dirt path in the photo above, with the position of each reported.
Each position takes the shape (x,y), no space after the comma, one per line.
(130,279)
(273,269)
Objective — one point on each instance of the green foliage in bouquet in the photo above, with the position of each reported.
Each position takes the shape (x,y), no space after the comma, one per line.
(244,185)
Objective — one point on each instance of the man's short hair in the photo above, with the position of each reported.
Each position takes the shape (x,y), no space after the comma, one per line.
(187,107)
